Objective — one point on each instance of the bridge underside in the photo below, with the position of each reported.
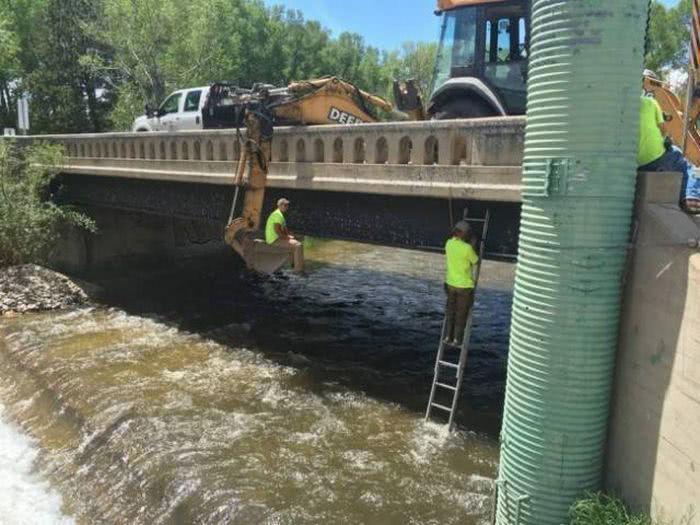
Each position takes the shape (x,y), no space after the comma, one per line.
(400,221)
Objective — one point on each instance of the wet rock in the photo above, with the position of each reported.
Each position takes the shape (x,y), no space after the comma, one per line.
(30,287)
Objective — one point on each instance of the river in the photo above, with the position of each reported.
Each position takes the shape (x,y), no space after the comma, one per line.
(199,394)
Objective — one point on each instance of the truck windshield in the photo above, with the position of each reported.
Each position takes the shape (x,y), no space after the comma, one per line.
(457,52)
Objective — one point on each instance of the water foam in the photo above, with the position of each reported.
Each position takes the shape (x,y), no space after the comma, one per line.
(25,498)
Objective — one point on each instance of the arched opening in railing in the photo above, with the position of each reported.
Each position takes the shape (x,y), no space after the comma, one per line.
(142,150)
(151,150)
(338,150)
(358,155)
(405,147)
(197,150)
(236,150)
(459,151)
(173,150)
(431,153)
(210,150)
(123,152)
(89,149)
(223,154)
(115,152)
(105,149)
(284,151)
(161,148)
(300,151)
(381,153)
(185,151)
(319,151)
(82,150)
(132,150)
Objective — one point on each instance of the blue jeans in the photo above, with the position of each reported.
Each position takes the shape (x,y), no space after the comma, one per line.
(673,160)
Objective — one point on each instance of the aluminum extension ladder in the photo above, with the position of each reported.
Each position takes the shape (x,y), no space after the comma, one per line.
(441,362)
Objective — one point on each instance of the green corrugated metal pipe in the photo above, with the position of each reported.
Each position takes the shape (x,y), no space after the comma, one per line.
(579,180)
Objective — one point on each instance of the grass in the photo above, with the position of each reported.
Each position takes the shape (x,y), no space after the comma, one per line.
(603,509)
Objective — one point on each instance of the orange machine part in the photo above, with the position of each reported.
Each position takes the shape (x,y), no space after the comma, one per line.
(447,5)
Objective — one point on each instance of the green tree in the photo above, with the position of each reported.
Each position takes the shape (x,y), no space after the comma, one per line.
(418,63)
(29,220)
(668,36)
(9,70)
(64,91)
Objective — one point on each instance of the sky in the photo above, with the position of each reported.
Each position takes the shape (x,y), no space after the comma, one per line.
(383,23)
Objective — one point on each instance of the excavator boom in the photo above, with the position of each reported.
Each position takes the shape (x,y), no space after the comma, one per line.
(323,101)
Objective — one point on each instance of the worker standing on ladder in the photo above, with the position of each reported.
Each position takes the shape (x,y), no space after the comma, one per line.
(460,260)
(277,234)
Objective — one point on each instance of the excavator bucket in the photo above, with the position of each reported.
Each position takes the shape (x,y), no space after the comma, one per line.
(257,254)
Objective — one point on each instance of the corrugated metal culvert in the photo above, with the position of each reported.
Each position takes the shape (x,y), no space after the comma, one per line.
(579,180)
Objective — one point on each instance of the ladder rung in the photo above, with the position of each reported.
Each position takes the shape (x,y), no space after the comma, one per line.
(452,345)
(441,407)
(447,363)
(443,385)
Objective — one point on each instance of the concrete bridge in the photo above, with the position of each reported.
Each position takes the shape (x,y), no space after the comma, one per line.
(399,184)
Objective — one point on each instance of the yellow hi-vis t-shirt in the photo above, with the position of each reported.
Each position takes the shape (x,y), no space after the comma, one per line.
(460,257)
(276,217)
(651,140)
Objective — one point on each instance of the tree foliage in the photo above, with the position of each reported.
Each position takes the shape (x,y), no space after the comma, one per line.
(668,36)
(91,65)
(29,220)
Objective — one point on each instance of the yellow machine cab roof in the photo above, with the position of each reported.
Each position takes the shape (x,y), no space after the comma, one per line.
(446,5)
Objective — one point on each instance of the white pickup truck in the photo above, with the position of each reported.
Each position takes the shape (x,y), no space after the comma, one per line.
(181,111)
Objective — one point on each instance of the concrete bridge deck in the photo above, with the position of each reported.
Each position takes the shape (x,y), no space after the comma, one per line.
(392,183)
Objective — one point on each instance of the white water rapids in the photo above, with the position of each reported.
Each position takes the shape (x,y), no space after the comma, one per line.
(25,497)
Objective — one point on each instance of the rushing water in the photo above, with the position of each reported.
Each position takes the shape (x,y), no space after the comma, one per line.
(201,395)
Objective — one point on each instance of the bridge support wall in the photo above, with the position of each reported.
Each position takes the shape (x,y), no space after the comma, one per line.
(654,442)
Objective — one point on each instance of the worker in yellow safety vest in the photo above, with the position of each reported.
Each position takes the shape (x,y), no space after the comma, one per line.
(460,261)
(277,234)
(656,153)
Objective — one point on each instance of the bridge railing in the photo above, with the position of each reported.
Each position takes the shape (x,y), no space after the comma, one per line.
(432,158)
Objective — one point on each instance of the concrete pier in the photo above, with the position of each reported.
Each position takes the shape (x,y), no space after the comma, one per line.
(653,458)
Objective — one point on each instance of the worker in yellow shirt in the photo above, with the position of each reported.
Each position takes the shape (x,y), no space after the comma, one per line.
(658,154)
(277,234)
(460,261)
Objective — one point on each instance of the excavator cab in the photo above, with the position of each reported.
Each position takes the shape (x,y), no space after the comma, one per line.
(481,67)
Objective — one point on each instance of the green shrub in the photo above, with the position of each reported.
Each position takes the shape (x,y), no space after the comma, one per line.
(29,220)
(601,509)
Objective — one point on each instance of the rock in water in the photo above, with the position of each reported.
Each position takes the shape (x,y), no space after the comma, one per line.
(30,287)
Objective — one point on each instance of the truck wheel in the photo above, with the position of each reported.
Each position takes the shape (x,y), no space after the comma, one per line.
(463,108)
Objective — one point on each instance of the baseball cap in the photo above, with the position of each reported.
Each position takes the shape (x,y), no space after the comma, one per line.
(462,226)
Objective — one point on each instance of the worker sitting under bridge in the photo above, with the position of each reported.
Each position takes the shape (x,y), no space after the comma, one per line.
(277,234)
(657,153)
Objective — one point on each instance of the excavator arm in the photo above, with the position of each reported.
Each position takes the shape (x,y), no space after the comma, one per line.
(323,101)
